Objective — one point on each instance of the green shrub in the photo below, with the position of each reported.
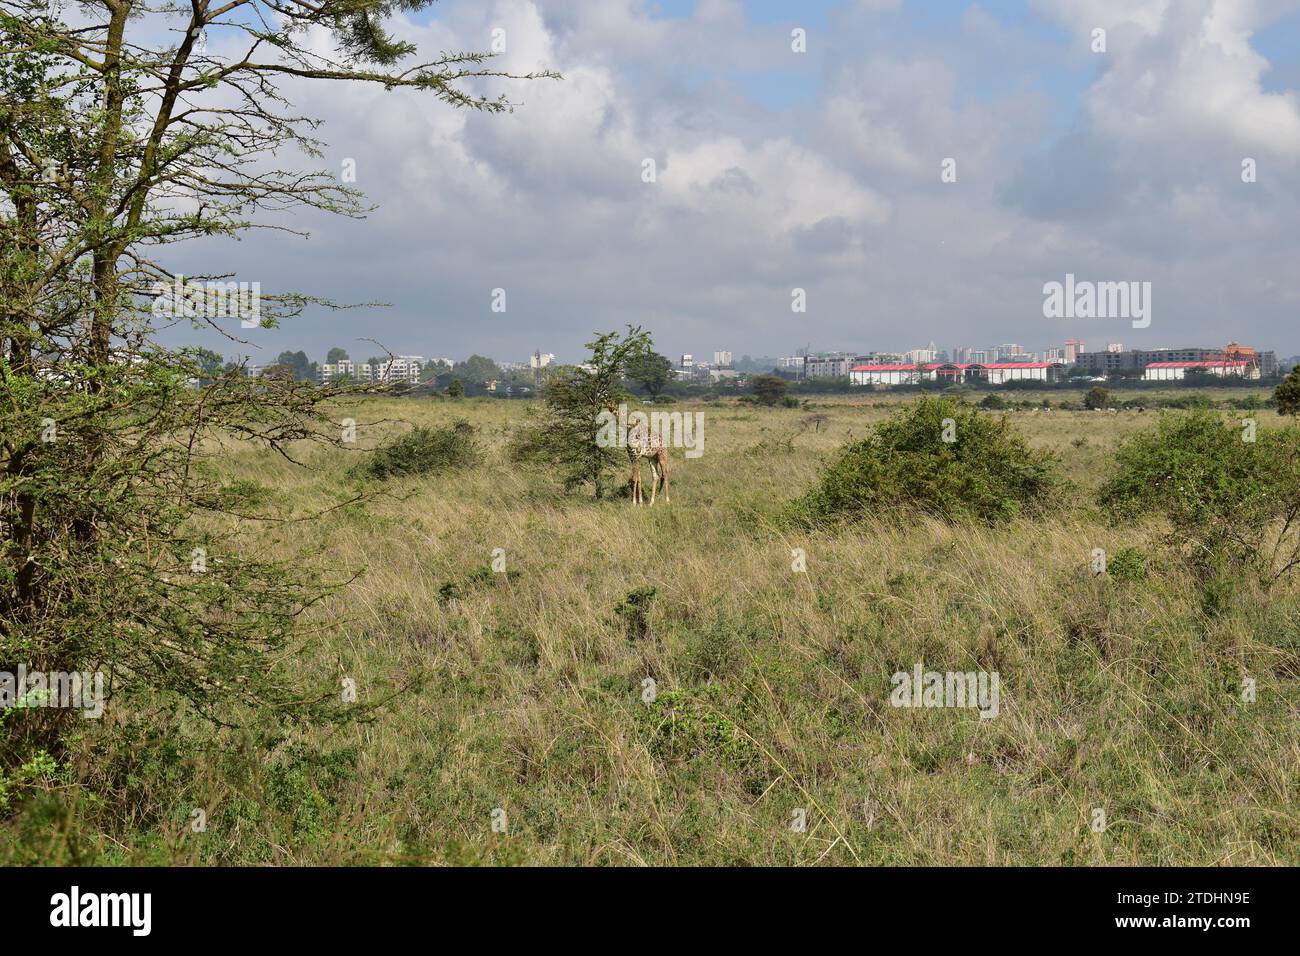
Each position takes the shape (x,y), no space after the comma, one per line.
(1127,564)
(425,451)
(1097,398)
(985,472)
(769,389)
(526,441)
(1232,503)
(634,610)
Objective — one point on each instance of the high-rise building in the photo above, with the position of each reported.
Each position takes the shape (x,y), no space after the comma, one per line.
(688,361)
(791,363)
(722,360)
(927,354)
(1073,348)
(829,365)
(399,368)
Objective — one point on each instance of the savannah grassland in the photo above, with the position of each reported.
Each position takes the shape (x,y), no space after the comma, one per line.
(524,691)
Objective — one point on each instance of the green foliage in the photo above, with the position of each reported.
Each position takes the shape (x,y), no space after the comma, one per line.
(1096,398)
(304,370)
(690,726)
(456,389)
(425,451)
(1287,394)
(479,369)
(114,545)
(1127,565)
(41,770)
(1233,504)
(986,473)
(121,548)
(993,401)
(651,371)
(769,389)
(634,610)
(576,397)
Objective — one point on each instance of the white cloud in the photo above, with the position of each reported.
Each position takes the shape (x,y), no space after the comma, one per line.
(839,194)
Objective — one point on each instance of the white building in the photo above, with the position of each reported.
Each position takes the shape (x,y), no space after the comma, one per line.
(953,373)
(541,359)
(892,374)
(400,368)
(328,372)
(1173,371)
(791,363)
(831,365)
(999,373)
(722,360)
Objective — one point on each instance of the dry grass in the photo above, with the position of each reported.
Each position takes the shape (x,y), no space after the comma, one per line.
(773,686)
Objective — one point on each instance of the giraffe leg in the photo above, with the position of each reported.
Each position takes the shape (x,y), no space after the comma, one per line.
(636,482)
(654,481)
(663,470)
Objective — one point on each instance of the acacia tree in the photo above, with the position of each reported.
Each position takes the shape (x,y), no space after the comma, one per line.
(1287,394)
(652,372)
(120,134)
(769,389)
(575,398)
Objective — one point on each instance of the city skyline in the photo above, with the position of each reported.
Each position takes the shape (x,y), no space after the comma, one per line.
(824,169)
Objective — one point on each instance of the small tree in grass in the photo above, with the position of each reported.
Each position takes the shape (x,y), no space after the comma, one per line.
(1232,505)
(769,389)
(1287,394)
(575,397)
(1096,399)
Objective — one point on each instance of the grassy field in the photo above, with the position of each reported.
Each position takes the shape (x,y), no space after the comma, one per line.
(771,686)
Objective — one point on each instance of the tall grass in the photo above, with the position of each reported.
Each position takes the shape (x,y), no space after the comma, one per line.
(526,690)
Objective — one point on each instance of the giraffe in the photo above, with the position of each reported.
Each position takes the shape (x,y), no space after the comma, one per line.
(643,443)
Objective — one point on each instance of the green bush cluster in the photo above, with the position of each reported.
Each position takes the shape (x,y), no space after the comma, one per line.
(939,458)
(425,451)
(1231,494)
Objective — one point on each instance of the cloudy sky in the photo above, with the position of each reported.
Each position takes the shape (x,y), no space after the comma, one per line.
(819,170)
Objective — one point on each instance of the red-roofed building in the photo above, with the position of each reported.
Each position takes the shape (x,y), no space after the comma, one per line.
(1174,371)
